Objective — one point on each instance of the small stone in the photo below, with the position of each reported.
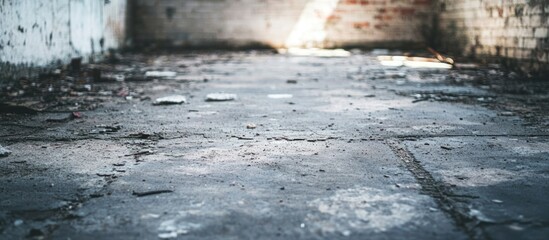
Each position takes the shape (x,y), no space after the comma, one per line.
(160,74)
(18,222)
(167,235)
(175,99)
(497,201)
(4,152)
(220,97)
(251,126)
(446,147)
(280,96)
(291,81)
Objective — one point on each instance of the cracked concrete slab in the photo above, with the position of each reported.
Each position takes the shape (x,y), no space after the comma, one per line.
(352,154)
(500,182)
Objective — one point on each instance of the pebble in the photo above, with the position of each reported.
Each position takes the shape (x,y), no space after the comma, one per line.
(280,96)
(175,99)
(4,152)
(160,74)
(219,97)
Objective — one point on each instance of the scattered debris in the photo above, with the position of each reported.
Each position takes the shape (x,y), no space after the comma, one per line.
(71,116)
(4,152)
(101,129)
(413,62)
(190,79)
(280,96)
(251,126)
(170,100)
(96,195)
(506,114)
(18,222)
(243,138)
(220,97)
(105,174)
(143,152)
(75,115)
(440,57)
(291,81)
(289,139)
(480,216)
(148,193)
(160,74)
(142,135)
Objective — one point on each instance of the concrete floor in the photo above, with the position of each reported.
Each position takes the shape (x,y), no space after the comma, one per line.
(358,151)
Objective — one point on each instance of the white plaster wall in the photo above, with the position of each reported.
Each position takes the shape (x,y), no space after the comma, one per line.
(41,32)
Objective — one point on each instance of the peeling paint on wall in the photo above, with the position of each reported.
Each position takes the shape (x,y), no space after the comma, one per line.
(38,33)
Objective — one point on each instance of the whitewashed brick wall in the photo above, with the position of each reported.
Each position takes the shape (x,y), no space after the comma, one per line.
(277,23)
(515,31)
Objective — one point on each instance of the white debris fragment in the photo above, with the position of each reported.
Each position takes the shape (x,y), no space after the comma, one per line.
(506,114)
(18,222)
(160,74)
(280,96)
(480,216)
(150,216)
(167,235)
(4,152)
(175,99)
(219,97)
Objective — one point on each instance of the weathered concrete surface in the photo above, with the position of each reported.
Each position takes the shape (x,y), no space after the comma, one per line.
(352,154)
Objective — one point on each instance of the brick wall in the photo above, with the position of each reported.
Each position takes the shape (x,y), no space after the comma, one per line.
(277,23)
(514,32)
(37,33)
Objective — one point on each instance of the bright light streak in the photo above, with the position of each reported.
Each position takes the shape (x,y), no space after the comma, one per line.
(413,62)
(309,30)
(315,52)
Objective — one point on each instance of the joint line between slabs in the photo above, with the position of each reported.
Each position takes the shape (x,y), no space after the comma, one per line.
(437,191)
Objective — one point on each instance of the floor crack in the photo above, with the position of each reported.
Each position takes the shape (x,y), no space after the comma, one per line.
(439,192)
